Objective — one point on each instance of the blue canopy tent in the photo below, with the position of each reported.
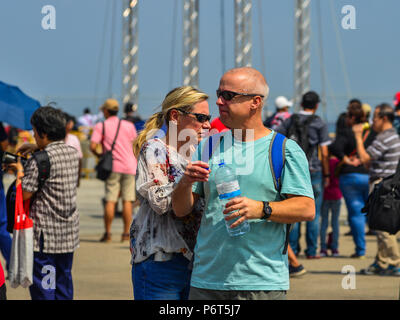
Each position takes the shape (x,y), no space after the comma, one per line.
(16,108)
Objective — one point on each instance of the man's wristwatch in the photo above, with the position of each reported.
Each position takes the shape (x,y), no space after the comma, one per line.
(267,210)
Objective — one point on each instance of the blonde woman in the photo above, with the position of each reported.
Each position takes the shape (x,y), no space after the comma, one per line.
(162,244)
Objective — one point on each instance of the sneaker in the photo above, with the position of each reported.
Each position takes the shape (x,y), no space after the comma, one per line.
(357,256)
(335,253)
(296,271)
(393,271)
(373,269)
(323,253)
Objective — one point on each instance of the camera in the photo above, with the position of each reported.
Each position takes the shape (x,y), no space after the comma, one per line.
(12,158)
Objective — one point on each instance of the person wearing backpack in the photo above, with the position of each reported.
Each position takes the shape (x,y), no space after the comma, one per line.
(253,265)
(118,136)
(53,207)
(311,133)
(382,158)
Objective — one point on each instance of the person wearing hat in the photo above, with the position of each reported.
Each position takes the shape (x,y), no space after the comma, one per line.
(282,111)
(122,179)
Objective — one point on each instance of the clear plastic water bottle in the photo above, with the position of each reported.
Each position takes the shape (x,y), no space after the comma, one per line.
(228,188)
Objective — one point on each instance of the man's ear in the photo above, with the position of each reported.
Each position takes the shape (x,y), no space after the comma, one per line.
(257,103)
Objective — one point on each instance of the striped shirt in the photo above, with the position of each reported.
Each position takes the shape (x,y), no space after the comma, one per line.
(385,154)
(53,208)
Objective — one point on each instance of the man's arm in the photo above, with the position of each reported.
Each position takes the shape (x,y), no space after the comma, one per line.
(362,153)
(325,164)
(94,148)
(294,209)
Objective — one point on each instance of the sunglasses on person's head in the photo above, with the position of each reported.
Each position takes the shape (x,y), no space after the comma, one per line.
(229,95)
(200,117)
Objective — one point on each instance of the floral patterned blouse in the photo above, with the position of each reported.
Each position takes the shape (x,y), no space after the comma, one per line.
(155,229)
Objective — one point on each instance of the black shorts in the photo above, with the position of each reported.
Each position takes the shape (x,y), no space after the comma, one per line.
(3,295)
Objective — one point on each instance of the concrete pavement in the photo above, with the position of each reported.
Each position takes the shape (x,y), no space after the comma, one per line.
(101,271)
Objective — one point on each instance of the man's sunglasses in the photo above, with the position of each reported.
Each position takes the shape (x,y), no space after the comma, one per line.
(200,117)
(229,95)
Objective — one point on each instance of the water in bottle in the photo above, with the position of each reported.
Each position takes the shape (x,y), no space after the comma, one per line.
(228,188)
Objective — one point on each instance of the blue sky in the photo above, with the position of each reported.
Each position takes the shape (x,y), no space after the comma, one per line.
(71,64)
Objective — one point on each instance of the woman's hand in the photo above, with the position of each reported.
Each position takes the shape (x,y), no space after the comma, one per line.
(244,208)
(197,171)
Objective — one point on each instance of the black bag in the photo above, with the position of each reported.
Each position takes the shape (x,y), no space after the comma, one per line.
(383,205)
(105,164)
(298,131)
(43,163)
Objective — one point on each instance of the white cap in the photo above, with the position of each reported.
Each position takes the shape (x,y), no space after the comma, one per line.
(282,102)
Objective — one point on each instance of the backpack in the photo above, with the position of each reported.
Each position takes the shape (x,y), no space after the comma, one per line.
(268,121)
(298,131)
(383,205)
(43,163)
(276,153)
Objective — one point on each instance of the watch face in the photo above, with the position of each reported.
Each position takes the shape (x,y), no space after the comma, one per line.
(267,210)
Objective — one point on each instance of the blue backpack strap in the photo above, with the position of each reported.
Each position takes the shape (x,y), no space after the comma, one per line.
(205,153)
(277,158)
(277,162)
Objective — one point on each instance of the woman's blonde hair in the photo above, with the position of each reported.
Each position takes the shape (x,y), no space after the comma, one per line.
(182,98)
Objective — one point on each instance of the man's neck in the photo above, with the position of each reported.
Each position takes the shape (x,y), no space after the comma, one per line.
(250,133)
(310,110)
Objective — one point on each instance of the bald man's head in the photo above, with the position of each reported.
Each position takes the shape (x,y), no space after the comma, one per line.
(250,79)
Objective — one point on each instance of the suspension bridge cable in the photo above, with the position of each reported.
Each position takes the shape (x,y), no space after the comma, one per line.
(341,53)
(112,49)
(173,44)
(223,51)
(261,35)
(100,59)
(321,62)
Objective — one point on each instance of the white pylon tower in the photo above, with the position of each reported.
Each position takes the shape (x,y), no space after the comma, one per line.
(302,50)
(191,42)
(130,48)
(243,42)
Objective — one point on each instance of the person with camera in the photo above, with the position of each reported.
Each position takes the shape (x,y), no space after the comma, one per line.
(381,157)
(53,204)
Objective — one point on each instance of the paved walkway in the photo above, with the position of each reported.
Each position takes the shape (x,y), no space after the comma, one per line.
(102,271)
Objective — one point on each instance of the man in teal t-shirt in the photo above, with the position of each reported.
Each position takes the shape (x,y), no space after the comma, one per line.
(250,266)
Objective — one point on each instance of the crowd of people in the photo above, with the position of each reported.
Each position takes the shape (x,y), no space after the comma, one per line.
(166,167)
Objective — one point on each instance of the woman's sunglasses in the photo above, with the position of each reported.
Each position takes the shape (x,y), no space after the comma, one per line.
(229,95)
(200,117)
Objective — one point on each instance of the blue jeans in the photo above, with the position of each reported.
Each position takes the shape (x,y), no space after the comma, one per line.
(334,206)
(312,227)
(5,238)
(354,187)
(161,280)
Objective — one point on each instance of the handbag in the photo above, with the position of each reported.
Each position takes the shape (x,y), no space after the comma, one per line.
(383,204)
(21,261)
(105,164)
